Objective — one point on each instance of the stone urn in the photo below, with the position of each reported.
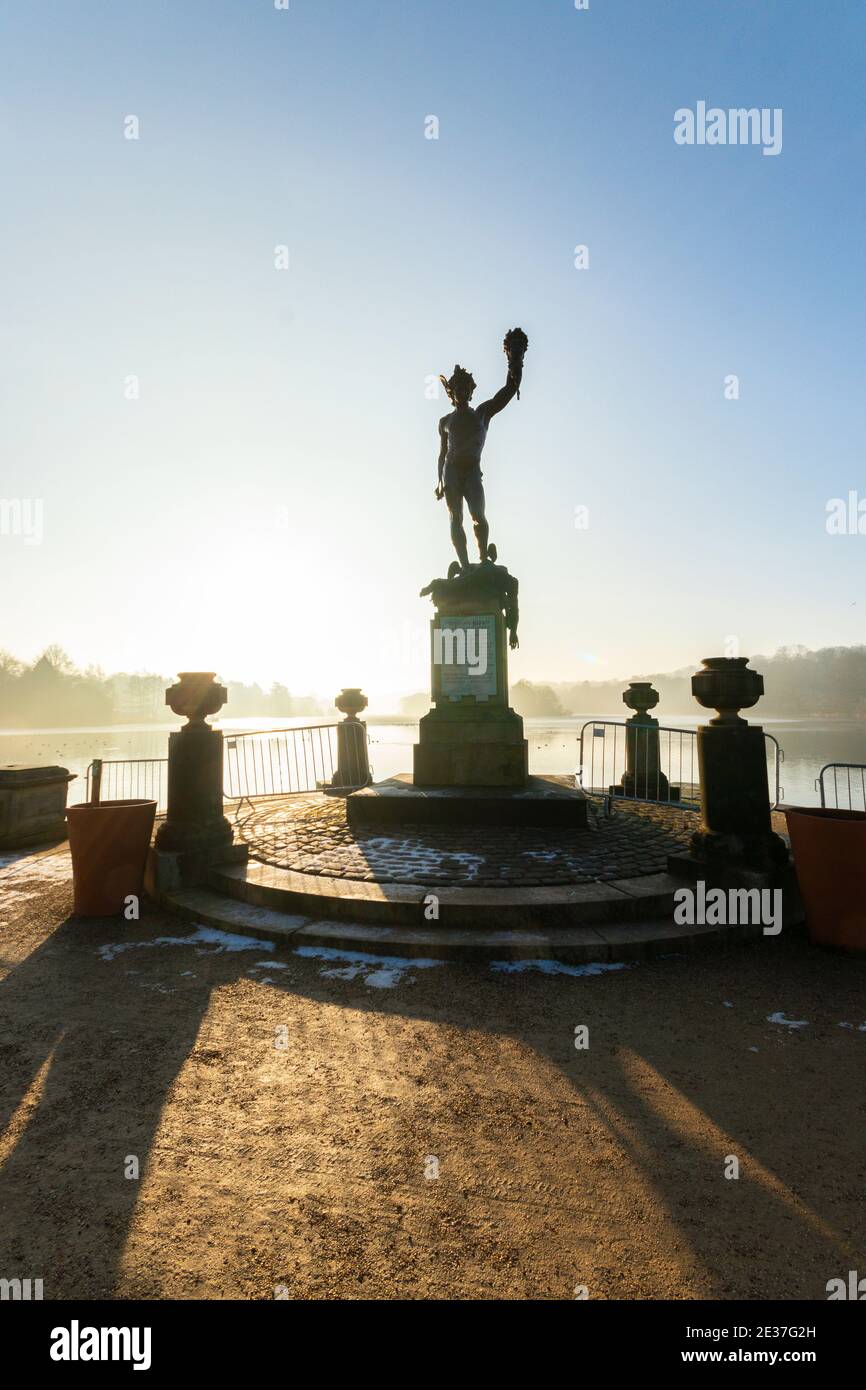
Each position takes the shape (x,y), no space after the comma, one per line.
(726,685)
(196,695)
(351,701)
(641,697)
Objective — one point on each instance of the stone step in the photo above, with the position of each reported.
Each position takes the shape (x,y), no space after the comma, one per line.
(635,940)
(403,904)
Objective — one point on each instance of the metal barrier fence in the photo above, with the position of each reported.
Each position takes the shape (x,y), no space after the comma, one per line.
(280,762)
(634,762)
(144,779)
(848,792)
(270,762)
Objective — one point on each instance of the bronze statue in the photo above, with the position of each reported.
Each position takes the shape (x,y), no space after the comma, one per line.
(462,435)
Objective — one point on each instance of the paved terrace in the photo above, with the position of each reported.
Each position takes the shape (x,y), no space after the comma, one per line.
(309,834)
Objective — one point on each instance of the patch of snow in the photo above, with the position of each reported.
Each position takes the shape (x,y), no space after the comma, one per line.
(201,938)
(388,844)
(753,1049)
(787,1022)
(557,967)
(231,941)
(270,965)
(728,1004)
(53,865)
(379,972)
(7,859)
(32,871)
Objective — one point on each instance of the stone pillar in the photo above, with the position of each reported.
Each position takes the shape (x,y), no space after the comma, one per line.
(471,737)
(353,764)
(735,793)
(643,777)
(194,821)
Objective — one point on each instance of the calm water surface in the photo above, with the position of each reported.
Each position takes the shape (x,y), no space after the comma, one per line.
(553,746)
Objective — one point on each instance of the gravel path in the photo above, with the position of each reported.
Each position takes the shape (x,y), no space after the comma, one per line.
(289,1114)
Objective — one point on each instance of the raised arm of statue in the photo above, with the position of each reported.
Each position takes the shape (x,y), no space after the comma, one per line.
(498,402)
(514,346)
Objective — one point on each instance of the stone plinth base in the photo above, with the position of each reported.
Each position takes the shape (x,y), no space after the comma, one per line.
(194,822)
(169,870)
(551,801)
(470,746)
(32,804)
(716,873)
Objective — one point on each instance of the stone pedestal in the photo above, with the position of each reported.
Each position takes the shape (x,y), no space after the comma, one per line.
(353,764)
(194,822)
(194,815)
(735,795)
(471,737)
(551,801)
(643,777)
(32,804)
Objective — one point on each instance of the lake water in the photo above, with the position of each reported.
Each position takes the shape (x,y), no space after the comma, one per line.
(553,746)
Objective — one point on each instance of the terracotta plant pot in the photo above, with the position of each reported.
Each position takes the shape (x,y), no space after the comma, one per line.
(109,843)
(830,859)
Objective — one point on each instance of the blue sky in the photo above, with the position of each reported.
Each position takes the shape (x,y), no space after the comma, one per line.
(265,507)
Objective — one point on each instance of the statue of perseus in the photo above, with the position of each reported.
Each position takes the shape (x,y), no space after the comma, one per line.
(462,435)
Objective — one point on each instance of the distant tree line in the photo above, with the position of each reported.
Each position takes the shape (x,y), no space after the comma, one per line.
(798,683)
(51,692)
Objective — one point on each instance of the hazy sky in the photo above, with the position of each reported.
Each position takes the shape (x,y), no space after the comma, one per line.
(265,507)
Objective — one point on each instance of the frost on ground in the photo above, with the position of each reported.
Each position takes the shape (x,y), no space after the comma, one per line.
(379,972)
(23,875)
(557,967)
(779,1017)
(420,851)
(202,938)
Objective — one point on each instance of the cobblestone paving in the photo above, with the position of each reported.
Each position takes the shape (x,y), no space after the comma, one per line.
(309,834)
